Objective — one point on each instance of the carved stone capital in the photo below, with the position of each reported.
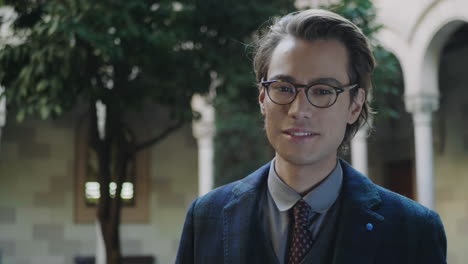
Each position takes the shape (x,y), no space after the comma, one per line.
(422,106)
(203,130)
(205,126)
(422,103)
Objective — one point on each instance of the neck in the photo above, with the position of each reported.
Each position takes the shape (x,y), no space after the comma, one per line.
(303,178)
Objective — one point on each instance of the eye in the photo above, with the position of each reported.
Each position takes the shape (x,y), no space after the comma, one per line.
(321,90)
(283,87)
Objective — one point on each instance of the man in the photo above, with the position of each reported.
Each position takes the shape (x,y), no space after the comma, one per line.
(308,206)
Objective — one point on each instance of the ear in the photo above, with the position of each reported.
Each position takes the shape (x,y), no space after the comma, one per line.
(261,100)
(356,106)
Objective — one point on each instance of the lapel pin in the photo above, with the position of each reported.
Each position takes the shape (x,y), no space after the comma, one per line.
(369,227)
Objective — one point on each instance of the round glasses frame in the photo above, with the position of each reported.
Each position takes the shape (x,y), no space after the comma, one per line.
(306,88)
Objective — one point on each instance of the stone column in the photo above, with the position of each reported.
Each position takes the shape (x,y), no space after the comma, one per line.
(359,157)
(204,131)
(421,107)
(100,247)
(2,113)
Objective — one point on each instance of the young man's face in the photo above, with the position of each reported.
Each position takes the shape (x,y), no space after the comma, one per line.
(301,133)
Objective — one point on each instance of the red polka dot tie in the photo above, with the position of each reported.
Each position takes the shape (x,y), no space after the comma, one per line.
(301,241)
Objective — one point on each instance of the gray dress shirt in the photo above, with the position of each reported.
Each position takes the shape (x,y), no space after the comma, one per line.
(280,198)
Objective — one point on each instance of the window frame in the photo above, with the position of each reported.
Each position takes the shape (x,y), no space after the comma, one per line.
(84,214)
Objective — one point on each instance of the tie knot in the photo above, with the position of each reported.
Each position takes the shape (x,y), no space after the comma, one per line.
(301,212)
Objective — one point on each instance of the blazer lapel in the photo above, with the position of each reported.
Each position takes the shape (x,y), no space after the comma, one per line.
(359,225)
(241,219)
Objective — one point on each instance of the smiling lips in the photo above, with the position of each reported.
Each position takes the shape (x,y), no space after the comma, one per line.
(299,132)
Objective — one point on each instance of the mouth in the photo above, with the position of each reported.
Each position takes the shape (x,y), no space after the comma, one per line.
(300,133)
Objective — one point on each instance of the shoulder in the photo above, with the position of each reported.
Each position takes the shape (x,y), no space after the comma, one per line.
(397,206)
(401,214)
(420,227)
(211,203)
(390,204)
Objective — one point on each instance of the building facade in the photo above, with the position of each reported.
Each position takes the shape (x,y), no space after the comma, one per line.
(430,40)
(422,155)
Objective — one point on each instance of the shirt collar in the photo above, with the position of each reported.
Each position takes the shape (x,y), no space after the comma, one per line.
(320,199)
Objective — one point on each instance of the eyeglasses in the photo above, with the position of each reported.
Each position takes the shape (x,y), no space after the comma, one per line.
(319,95)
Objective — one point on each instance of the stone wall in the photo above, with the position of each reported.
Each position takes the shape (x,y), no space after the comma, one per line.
(36,196)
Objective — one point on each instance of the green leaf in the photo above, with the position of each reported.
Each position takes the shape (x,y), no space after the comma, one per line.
(44,112)
(58,109)
(41,86)
(53,27)
(20,115)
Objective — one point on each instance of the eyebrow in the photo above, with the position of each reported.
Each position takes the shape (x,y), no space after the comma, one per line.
(323,80)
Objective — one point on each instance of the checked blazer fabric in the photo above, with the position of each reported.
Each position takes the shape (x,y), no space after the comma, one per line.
(375,226)
(302,239)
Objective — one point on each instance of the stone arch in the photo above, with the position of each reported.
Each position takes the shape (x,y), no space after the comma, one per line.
(421,69)
(430,62)
(394,43)
(433,31)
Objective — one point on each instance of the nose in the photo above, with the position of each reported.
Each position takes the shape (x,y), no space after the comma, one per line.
(300,108)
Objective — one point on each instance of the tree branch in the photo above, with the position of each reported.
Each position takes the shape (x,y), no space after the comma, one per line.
(159,137)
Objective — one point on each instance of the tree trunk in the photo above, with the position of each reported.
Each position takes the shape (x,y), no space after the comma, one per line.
(115,141)
(109,208)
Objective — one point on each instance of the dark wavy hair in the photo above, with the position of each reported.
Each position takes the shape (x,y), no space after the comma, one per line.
(318,24)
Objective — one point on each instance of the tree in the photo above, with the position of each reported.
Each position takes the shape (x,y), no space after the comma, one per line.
(124,55)
(240,143)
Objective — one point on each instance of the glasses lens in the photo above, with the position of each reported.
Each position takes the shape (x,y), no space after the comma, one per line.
(322,95)
(282,92)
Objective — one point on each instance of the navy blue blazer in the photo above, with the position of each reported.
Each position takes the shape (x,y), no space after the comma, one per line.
(375,225)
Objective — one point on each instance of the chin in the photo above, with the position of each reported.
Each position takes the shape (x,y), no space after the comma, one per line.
(301,159)
(305,158)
